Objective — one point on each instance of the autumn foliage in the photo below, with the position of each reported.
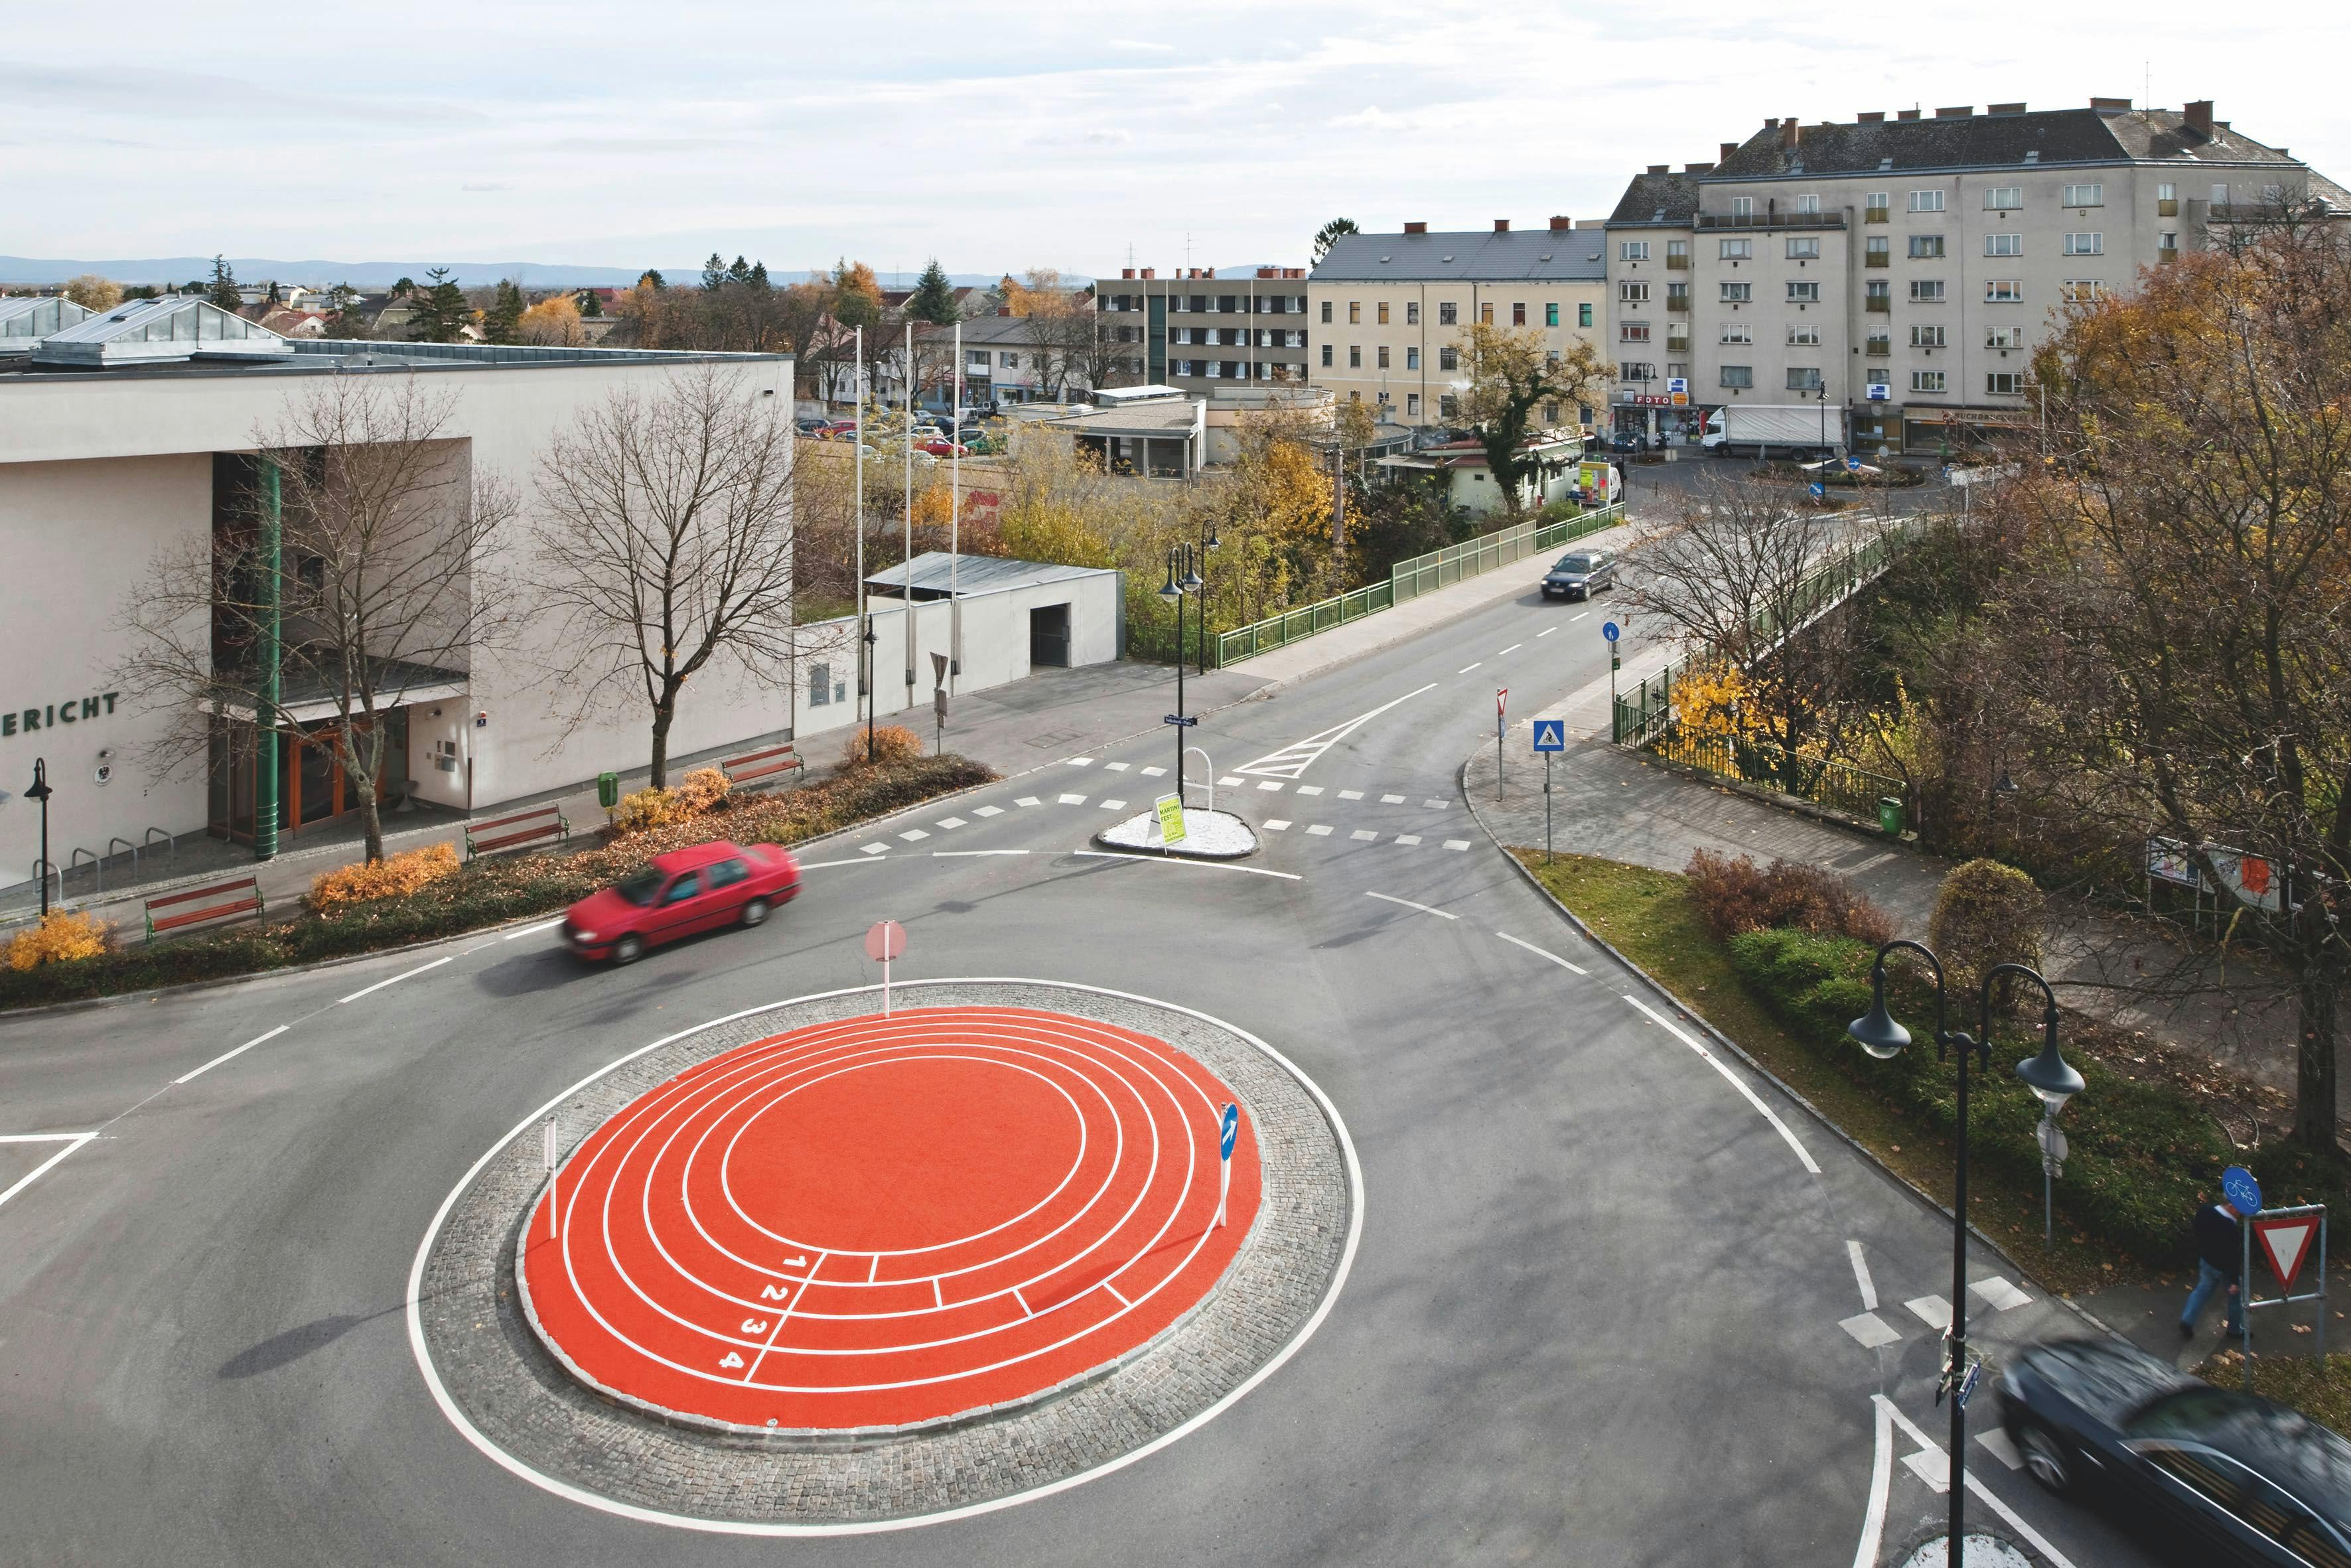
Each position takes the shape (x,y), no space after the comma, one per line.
(386,878)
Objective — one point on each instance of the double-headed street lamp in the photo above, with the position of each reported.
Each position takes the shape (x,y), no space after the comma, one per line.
(2047,1075)
(1178,587)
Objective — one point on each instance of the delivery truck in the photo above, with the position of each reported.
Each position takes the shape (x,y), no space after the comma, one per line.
(1765,429)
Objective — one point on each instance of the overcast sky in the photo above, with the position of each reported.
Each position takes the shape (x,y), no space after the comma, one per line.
(1001,137)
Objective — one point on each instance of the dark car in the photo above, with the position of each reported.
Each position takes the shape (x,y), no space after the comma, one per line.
(695,889)
(2220,1476)
(812,425)
(1580,574)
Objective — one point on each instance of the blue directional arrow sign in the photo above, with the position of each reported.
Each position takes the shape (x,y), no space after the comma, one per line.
(1231,1132)
(1608,629)
(1550,735)
(1817,491)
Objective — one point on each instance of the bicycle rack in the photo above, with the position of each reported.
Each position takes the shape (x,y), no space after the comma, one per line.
(73,863)
(171,844)
(126,844)
(1208,783)
(43,869)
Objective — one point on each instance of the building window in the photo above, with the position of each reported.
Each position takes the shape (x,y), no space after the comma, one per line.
(1674,371)
(1925,381)
(2003,384)
(1736,249)
(2003,291)
(1738,377)
(2003,337)
(1448,358)
(1326,356)
(1226,304)
(2084,196)
(1550,413)
(1804,292)
(2081,290)
(1808,206)
(1803,337)
(1678,255)
(2003,198)
(1354,356)
(1199,304)
(1384,356)
(2086,244)
(1412,359)
(1876,250)
(1009,360)
(2003,244)
(1631,293)
(1486,313)
(1875,206)
(820,686)
(1637,371)
(1737,293)
(1926,247)
(1354,312)
(1519,314)
(1447,313)
(1412,404)
(1877,295)
(1806,247)
(1736,332)
(1880,343)
(1742,208)
(1633,250)
(1677,295)
(1550,315)
(2167,243)
(1926,201)
(1583,412)
(1583,315)
(1447,406)
(1927,336)
(1802,378)
(1633,333)
(1926,293)
(1326,312)
(2167,201)
(1411,312)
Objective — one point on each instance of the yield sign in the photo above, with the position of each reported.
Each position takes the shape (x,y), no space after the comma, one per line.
(2286,1241)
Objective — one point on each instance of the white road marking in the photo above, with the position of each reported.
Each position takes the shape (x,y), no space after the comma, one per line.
(72,1141)
(1310,788)
(959,855)
(1268,783)
(1999,1295)
(868,850)
(1318,829)
(1113,805)
(241,1050)
(1573,619)
(1118,767)
(1082,762)
(990,811)
(1943,1467)
(1511,648)
(1363,835)
(1881,1478)
(1546,631)
(1350,794)
(1870,1329)
(1277,825)
(1932,1311)
(1154,772)
(1228,783)
(1408,837)
(529,930)
(1537,952)
(913,835)
(1731,1078)
(1932,1468)
(1186,860)
(2002,1449)
(1861,1275)
(1292,760)
(951,823)
(1876,859)
(1467,668)
(1437,805)
(1457,843)
(871,850)
(1028,800)
(1390,799)
(1074,800)
(1408,904)
(380,985)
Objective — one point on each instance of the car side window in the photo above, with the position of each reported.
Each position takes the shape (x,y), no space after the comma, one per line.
(2316,1544)
(684,888)
(2220,1481)
(727,873)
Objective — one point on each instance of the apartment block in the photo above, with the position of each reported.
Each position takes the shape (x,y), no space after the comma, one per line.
(1906,267)
(1388,311)
(1202,333)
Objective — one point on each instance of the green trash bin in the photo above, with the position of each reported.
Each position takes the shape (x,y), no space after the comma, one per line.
(608,790)
(1889,815)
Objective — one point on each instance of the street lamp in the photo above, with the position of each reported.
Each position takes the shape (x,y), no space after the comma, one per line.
(1174,593)
(41,792)
(2049,1078)
(1208,541)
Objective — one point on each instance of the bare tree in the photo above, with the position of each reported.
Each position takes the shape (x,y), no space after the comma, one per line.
(382,579)
(1062,334)
(666,533)
(1511,373)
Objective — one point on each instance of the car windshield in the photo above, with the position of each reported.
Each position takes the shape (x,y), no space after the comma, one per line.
(641,888)
(1573,563)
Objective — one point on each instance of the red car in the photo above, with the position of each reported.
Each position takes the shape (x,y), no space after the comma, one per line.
(680,893)
(941,447)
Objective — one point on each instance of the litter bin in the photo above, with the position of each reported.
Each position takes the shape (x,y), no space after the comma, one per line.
(1889,815)
(608,790)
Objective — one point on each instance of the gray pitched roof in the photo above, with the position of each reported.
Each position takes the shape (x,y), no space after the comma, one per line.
(975,573)
(1991,141)
(1545,254)
(1657,199)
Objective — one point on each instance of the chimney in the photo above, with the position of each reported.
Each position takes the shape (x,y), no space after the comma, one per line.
(1870,117)
(1661,168)
(1906,114)
(2199,116)
(1788,133)
(1697,168)
(1415,229)
(1727,149)
(1150,272)
(2111,105)
(1561,221)
(1207,272)
(1964,111)
(1501,225)
(1269,272)
(1127,272)
(2005,109)
(1772,123)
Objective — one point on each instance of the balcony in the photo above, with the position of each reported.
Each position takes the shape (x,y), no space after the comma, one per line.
(1880,303)
(1875,215)
(1677,263)
(1878,258)
(1772,221)
(2167,207)
(1678,302)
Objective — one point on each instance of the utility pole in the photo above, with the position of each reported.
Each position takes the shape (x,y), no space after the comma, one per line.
(267,655)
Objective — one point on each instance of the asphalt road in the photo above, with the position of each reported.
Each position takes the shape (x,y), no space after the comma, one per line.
(1595,1317)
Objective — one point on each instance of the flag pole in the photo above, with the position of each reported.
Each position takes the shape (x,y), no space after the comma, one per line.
(955,521)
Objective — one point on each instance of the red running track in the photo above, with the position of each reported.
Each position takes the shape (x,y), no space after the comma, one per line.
(887,1221)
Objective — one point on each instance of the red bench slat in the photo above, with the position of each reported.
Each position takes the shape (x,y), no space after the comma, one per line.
(252,905)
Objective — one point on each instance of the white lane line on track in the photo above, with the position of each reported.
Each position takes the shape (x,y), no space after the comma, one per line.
(1934,1450)
(874,1272)
(1186,860)
(529,930)
(1881,1477)
(380,985)
(1541,953)
(241,1050)
(954,854)
(1113,1291)
(1546,631)
(1732,1079)
(937,1294)
(72,1141)
(1026,1310)
(1408,904)
(1467,668)
(1861,1277)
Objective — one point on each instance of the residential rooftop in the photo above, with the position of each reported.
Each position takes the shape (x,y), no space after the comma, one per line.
(1559,254)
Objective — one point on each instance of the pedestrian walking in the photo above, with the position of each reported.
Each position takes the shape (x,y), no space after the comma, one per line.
(2219,1260)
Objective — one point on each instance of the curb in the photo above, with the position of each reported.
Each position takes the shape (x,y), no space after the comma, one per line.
(1690,1015)
(1104,841)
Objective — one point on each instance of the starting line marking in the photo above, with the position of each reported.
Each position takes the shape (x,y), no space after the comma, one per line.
(257,1039)
(72,1140)
(380,985)
(1408,904)
(1732,1079)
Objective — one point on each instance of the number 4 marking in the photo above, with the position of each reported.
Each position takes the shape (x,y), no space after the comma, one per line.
(730,1360)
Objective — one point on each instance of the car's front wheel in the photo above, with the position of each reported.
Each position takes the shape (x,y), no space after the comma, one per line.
(755,912)
(628,949)
(2047,1459)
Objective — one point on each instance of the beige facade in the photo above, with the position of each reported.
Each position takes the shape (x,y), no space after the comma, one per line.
(1387,312)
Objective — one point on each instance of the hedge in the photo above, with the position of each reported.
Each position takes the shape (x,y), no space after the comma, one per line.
(487,891)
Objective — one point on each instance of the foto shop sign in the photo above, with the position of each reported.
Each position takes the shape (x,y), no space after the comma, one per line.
(51,715)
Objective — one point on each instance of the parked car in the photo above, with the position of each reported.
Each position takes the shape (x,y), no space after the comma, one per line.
(685,891)
(812,425)
(940,446)
(1580,574)
(2223,1477)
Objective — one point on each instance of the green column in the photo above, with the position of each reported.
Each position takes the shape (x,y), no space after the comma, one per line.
(266,672)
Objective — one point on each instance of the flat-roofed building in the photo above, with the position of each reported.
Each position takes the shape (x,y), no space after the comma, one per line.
(1201,333)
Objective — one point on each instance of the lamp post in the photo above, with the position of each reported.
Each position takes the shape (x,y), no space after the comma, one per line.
(2049,1078)
(1208,541)
(41,793)
(1174,593)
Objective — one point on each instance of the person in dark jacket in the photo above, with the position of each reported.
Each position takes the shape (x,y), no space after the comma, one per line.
(2219,1260)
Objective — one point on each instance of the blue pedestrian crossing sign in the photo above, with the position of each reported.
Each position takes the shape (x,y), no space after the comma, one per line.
(1230,1133)
(1550,735)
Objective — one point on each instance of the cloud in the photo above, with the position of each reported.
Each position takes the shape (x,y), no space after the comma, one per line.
(485,185)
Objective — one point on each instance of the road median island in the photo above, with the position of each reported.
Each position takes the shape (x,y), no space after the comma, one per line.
(489,891)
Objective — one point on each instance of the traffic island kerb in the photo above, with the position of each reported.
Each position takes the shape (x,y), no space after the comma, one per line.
(1207,836)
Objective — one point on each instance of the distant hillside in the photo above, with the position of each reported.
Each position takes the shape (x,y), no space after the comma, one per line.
(173,269)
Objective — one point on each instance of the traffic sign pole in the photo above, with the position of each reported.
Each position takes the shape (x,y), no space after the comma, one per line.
(886,940)
(1229,1128)
(1501,701)
(1546,807)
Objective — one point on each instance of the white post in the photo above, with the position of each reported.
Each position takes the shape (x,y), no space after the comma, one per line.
(954,521)
(885,980)
(554,1177)
(907,518)
(1224,1186)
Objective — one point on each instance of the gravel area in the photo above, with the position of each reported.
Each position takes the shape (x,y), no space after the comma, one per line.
(1207,835)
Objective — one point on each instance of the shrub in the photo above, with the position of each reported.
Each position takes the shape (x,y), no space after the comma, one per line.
(61,937)
(1733,897)
(893,746)
(647,810)
(387,878)
(702,789)
(1986,913)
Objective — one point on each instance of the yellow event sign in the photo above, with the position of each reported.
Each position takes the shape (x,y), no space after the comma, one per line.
(1171,818)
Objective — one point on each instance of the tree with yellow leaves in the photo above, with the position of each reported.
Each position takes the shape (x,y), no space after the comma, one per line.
(1512,371)
(93,292)
(553,321)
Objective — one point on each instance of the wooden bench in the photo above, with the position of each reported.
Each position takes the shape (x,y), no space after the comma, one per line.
(244,896)
(522,828)
(752,766)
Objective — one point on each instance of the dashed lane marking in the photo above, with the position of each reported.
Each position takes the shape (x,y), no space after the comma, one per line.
(1028,800)
(990,811)
(1390,799)
(1437,805)
(1318,829)
(1118,767)
(873,850)
(1537,952)
(961,855)
(1229,783)
(1467,668)
(1457,843)
(1999,1295)
(1310,788)
(1511,648)
(1408,904)
(241,1050)
(1277,825)
(1731,1078)
(1082,762)
(1583,615)
(1363,834)
(1546,631)
(1113,805)
(1408,837)
(951,823)
(1154,772)
(868,850)
(1861,1275)
(1350,794)
(1269,784)
(529,930)
(380,985)
(913,835)
(1074,800)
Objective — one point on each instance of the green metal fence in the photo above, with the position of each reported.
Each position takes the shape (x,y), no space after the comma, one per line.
(1837,785)
(1280,631)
